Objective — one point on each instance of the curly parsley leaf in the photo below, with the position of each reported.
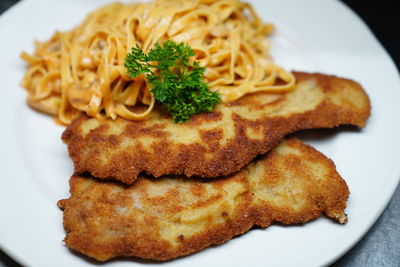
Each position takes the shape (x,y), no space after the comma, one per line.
(176,83)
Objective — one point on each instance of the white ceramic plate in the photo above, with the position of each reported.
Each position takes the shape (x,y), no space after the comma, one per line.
(312,35)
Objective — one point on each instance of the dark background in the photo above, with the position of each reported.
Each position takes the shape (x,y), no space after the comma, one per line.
(383,18)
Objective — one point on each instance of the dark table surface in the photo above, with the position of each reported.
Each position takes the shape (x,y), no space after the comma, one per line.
(381,245)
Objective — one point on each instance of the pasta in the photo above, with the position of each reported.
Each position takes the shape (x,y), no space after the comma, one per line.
(82,70)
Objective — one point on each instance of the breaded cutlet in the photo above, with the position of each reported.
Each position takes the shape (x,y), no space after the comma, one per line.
(170,217)
(213,144)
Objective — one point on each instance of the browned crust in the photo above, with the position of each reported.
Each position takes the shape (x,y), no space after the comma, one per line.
(166,157)
(328,196)
(90,212)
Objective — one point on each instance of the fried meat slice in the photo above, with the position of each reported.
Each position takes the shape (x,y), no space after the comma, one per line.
(213,144)
(170,217)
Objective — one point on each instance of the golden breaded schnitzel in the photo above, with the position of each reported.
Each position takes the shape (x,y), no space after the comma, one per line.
(213,144)
(169,217)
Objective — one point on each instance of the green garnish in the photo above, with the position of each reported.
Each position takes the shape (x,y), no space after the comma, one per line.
(178,85)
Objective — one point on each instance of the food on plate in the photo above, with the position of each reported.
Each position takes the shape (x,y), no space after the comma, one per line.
(82,70)
(169,217)
(173,100)
(217,143)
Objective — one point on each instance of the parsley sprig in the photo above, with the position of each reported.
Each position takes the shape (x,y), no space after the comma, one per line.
(176,83)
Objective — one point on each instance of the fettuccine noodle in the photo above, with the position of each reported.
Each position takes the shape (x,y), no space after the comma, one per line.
(82,70)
